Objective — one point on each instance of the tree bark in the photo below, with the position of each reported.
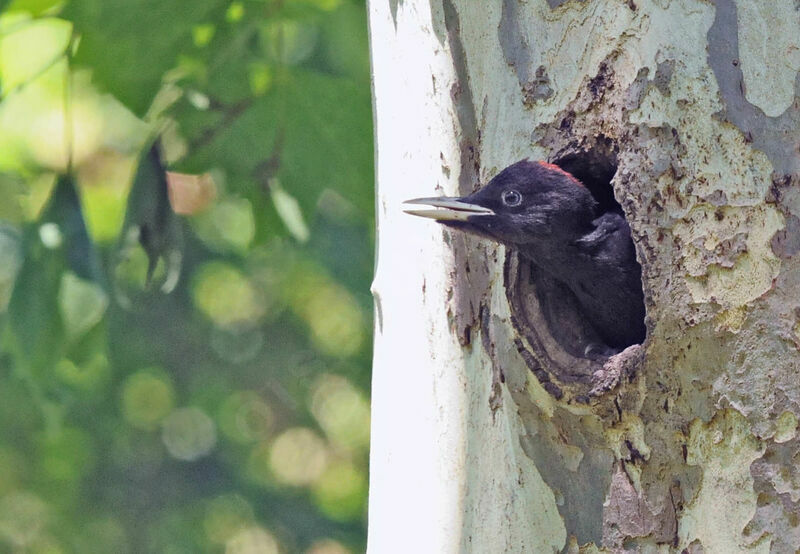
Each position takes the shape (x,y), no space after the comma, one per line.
(488,435)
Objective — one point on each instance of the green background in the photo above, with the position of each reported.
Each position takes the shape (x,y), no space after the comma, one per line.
(194,381)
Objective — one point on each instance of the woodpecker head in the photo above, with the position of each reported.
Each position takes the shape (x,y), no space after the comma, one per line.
(528,202)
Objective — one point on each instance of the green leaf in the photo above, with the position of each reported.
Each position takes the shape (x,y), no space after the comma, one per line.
(81,303)
(33,7)
(315,129)
(10,263)
(44,41)
(131,44)
(345,45)
(32,309)
(57,244)
(12,191)
(65,212)
(150,218)
(289,211)
(328,140)
(289,42)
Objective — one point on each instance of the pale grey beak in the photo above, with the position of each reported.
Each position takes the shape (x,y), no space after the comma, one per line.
(450,209)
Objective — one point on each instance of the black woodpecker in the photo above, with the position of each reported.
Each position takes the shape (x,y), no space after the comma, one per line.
(547,215)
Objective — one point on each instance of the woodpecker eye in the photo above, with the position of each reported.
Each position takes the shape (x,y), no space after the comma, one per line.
(511,198)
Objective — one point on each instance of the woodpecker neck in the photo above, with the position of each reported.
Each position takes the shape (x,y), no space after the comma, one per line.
(560,258)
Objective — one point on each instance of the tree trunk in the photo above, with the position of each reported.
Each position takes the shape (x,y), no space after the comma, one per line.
(489,433)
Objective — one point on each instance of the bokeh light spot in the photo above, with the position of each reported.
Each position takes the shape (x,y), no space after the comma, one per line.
(48,131)
(225,516)
(225,295)
(327,546)
(22,518)
(341,491)
(260,76)
(298,456)
(189,434)
(289,211)
(202,34)
(336,321)
(50,235)
(147,398)
(244,417)
(65,456)
(235,12)
(253,540)
(227,226)
(341,410)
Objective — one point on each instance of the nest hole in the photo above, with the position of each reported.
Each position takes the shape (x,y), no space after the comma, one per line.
(594,168)
(544,310)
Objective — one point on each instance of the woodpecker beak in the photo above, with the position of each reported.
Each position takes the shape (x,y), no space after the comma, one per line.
(450,209)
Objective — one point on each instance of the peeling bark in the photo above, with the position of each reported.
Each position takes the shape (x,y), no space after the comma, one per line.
(492,431)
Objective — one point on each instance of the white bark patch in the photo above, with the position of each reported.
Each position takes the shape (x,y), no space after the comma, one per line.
(447,472)
(724,448)
(769,48)
(417,468)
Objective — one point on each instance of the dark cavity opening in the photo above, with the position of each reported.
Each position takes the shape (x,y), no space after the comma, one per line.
(545,310)
(594,168)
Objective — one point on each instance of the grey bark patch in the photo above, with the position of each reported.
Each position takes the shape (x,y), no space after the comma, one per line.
(513,42)
(786,242)
(558,3)
(571,457)
(717,198)
(777,136)
(471,276)
(393,4)
(663,76)
(496,394)
(581,491)
(627,514)
(538,88)
(696,547)
(461,94)
(778,507)
(637,89)
(517,53)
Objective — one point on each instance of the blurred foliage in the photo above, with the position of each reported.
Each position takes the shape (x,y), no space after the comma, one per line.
(185,251)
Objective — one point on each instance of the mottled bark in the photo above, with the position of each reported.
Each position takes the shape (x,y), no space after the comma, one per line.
(488,435)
